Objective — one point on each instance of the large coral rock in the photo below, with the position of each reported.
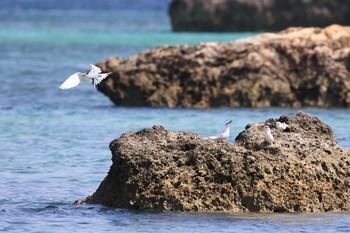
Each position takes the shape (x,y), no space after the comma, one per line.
(296,67)
(256,15)
(304,170)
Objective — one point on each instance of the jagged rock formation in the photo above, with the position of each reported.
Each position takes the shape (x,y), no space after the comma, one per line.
(294,68)
(255,15)
(304,170)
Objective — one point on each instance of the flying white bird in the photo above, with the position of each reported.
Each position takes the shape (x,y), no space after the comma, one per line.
(94,76)
(268,135)
(224,135)
(280,125)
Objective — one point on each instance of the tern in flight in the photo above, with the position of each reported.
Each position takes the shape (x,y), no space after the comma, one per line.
(224,135)
(94,76)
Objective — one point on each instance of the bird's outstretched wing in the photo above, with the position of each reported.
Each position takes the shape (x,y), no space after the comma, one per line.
(100,78)
(94,71)
(72,81)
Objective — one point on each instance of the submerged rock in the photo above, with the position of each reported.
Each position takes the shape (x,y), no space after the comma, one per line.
(304,170)
(255,15)
(294,68)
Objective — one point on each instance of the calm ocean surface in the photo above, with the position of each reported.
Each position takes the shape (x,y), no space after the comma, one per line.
(54,143)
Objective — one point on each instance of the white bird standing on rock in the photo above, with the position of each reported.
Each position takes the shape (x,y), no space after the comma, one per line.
(224,135)
(268,135)
(94,76)
(280,125)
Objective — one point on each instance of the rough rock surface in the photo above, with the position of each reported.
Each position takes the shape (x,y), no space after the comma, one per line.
(304,170)
(255,15)
(296,67)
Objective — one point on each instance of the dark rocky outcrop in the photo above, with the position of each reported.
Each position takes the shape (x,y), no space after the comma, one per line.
(304,170)
(256,15)
(294,68)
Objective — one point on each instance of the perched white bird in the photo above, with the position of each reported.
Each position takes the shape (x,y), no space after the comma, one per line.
(280,125)
(268,135)
(94,76)
(224,135)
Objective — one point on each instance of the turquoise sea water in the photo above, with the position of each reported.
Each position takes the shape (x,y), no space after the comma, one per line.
(54,143)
